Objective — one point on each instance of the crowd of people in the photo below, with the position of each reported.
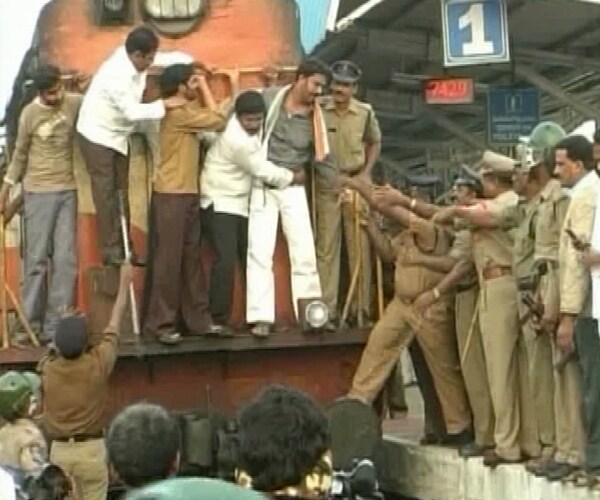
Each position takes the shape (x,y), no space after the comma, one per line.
(252,175)
(515,258)
(495,295)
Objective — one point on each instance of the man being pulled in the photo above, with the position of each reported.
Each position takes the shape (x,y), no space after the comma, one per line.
(401,322)
(284,446)
(175,285)
(22,444)
(75,387)
(505,355)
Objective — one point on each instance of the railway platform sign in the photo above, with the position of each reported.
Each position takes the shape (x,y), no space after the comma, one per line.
(475,32)
(512,113)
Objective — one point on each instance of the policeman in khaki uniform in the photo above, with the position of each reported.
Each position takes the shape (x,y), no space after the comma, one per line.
(355,140)
(515,430)
(22,444)
(528,181)
(402,322)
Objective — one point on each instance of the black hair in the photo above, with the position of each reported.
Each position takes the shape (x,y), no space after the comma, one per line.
(141,39)
(46,77)
(143,442)
(250,103)
(312,66)
(283,434)
(174,76)
(578,148)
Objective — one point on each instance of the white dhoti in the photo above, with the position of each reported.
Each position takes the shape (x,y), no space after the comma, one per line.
(266,206)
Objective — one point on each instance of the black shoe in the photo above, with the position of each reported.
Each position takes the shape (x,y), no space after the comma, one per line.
(492,460)
(559,472)
(430,439)
(330,327)
(471,450)
(463,438)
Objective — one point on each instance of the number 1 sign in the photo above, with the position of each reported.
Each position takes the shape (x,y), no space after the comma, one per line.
(475,32)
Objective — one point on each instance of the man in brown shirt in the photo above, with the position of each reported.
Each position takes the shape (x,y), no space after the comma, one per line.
(175,282)
(43,161)
(75,391)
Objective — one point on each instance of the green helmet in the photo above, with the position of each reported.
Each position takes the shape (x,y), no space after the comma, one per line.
(539,146)
(15,390)
(187,488)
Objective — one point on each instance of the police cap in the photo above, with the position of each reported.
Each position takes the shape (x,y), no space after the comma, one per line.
(345,72)
(497,164)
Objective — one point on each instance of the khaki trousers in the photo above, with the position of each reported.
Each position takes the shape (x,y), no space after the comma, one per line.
(330,217)
(570,436)
(395,330)
(506,361)
(86,464)
(541,381)
(473,368)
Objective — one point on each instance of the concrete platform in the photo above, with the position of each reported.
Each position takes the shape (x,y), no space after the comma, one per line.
(436,473)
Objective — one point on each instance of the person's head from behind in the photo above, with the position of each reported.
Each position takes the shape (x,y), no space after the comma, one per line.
(574,158)
(144,444)
(284,442)
(48,85)
(466,190)
(179,79)
(141,46)
(71,335)
(312,76)
(250,110)
(19,394)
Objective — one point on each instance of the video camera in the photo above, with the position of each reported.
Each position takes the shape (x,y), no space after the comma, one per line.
(48,482)
(357,484)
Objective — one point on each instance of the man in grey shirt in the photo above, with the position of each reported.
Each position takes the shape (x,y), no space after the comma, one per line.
(291,142)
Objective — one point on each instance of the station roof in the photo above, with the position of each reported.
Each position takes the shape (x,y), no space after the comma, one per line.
(397,43)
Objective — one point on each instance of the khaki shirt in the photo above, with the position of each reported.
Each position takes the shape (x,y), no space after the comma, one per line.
(575,282)
(462,250)
(179,169)
(22,445)
(493,247)
(552,210)
(76,391)
(525,220)
(410,280)
(43,156)
(349,133)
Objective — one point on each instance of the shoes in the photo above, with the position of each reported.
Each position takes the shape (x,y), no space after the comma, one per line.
(430,439)
(539,467)
(330,327)
(492,460)
(461,439)
(169,338)
(261,330)
(472,450)
(559,471)
(218,331)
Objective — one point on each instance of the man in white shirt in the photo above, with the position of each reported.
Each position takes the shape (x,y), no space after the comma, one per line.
(111,108)
(238,156)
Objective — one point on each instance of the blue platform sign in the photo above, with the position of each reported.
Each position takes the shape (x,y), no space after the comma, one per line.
(512,113)
(475,32)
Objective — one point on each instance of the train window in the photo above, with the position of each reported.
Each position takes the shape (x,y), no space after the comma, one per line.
(114,5)
(174,9)
(111,12)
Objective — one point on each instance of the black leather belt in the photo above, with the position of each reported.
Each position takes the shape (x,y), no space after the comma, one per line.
(80,438)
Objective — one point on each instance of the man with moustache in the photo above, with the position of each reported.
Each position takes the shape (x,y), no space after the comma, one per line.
(43,161)
(233,161)
(295,138)
(355,140)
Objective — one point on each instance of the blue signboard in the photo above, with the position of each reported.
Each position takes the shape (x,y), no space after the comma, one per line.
(512,113)
(475,32)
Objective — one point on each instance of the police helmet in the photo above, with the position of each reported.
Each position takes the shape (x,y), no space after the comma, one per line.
(539,146)
(345,72)
(15,390)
